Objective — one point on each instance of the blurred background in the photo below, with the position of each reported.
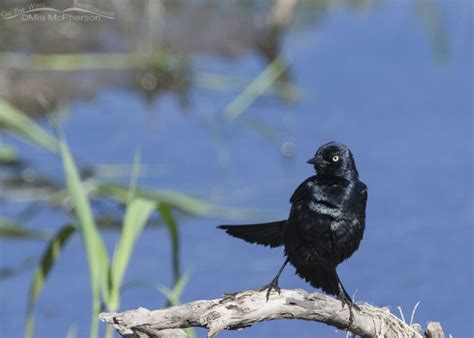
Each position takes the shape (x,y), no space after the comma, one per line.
(205,112)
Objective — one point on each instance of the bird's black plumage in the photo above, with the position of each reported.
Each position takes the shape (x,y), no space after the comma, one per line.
(269,234)
(325,225)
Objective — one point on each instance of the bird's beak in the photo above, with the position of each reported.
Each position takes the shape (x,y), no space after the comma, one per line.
(314,160)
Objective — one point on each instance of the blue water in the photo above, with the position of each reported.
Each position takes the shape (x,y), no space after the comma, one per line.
(371,79)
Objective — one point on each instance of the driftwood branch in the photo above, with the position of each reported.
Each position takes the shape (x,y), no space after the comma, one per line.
(240,310)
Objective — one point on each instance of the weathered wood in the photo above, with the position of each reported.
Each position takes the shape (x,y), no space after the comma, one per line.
(245,308)
(434,330)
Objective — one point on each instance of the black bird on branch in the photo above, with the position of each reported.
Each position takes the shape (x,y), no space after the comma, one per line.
(325,225)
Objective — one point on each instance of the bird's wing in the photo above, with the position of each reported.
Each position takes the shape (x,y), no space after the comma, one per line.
(302,190)
(268,234)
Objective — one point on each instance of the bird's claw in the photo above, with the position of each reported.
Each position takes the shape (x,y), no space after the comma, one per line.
(269,287)
(350,305)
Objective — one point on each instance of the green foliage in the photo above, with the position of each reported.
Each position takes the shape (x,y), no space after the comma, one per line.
(46,263)
(87,61)
(16,122)
(174,295)
(225,82)
(136,215)
(8,154)
(181,201)
(172,226)
(10,229)
(106,277)
(96,253)
(255,89)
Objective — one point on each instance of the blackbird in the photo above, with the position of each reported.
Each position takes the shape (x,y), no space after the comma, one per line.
(325,225)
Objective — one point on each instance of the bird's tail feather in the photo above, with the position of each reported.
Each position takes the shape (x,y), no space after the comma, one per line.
(269,234)
(323,278)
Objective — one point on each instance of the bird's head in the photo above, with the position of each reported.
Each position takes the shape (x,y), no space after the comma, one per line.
(334,159)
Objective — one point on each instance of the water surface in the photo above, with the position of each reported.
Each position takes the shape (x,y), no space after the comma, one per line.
(375,79)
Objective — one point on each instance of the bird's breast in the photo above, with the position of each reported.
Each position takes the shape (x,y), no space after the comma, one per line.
(321,207)
(325,224)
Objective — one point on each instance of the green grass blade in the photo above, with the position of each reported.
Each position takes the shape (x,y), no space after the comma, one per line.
(134,176)
(138,212)
(255,89)
(9,229)
(95,248)
(174,296)
(14,121)
(47,261)
(225,82)
(88,61)
(172,226)
(124,248)
(175,199)
(8,154)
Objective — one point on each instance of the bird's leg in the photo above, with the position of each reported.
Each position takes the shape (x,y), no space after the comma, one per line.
(344,297)
(274,283)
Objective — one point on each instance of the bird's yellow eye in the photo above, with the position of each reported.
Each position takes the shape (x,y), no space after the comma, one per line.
(335,158)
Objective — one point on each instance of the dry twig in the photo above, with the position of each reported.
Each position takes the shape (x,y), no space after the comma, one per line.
(245,308)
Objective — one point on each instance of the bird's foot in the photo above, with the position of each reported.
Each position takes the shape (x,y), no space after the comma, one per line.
(350,304)
(273,285)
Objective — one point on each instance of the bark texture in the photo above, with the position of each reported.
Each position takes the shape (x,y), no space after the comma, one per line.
(245,308)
